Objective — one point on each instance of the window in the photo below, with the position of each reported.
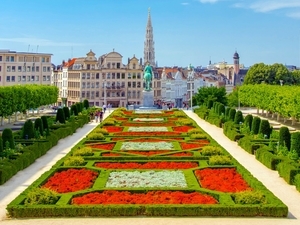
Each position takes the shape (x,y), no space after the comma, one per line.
(37,69)
(19,68)
(8,68)
(138,76)
(44,78)
(13,69)
(44,68)
(7,59)
(48,69)
(97,84)
(129,84)
(28,78)
(113,76)
(134,75)
(7,78)
(12,58)
(28,68)
(108,76)
(88,85)
(83,84)
(97,94)
(88,66)
(88,76)
(19,78)
(48,78)
(103,76)
(33,69)
(0,68)
(92,75)
(93,84)
(83,94)
(43,59)
(0,58)
(37,78)
(118,76)
(83,76)
(134,84)
(129,76)
(118,65)
(133,66)
(32,78)
(24,68)
(97,75)
(87,94)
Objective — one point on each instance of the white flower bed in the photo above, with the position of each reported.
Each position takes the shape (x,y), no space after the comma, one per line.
(160,145)
(147,129)
(148,111)
(148,119)
(147,179)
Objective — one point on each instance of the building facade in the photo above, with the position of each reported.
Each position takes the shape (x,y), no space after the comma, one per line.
(18,68)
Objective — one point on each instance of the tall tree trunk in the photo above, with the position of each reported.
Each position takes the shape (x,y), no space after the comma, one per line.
(293,120)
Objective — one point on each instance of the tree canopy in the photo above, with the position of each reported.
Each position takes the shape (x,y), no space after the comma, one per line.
(211,93)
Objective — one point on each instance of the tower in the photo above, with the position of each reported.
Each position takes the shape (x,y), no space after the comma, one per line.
(236,67)
(149,53)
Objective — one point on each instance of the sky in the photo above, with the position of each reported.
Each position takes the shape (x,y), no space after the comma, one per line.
(185,31)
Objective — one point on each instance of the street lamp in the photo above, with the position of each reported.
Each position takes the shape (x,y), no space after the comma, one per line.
(190,79)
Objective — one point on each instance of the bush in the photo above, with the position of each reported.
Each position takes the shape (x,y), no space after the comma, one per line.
(227,110)
(28,130)
(249,197)
(86,104)
(66,112)
(100,130)
(41,196)
(195,131)
(1,146)
(210,104)
(255,125)
(248,121)
(38,125)
(220,160)
(265,128)
(45,123)
(285,137)
(238,118)
(185,122)
(95,136)
(74,161)
(221,110)
(60,116)
(232,114)
(108,122)
(198,136)
(7,137)
(85,151)
(74,111)
(295,142)
(211,150)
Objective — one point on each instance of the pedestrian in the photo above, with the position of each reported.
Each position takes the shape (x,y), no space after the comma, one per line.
(108,107)
(101,116)
(104,108)
(96,116)
(92,116)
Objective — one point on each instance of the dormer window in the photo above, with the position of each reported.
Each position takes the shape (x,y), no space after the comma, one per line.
(133,66)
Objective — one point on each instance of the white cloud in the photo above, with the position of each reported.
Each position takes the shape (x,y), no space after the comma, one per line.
(271,5)
(294,15)
(38,41)
(209,1)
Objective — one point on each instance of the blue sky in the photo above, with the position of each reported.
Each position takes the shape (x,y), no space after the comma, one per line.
(185,31)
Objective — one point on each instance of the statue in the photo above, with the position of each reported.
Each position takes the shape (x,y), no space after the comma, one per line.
(148,77)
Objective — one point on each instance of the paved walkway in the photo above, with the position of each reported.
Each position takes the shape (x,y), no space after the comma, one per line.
(287,193)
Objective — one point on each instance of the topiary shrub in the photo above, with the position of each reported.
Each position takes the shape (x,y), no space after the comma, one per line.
(219,160)
(210,104)
(38,125)
(232,114)
(60,116)
(221,110)
(28,130)
(249,197)
(95,136)
(74,110)
(285,137)
(85,151)
(45,125)
(227,110)
(295,142)
(74,161)
(100,130)
(265,128)
(255,125)
(41,196)
(248,121)
(86,104)
(195,131)
(211,150)
(7,137)
(1,146)
(198,136)
(238,118)
(66,112)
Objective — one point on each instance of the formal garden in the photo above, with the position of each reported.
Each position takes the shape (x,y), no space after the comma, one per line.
(146,163)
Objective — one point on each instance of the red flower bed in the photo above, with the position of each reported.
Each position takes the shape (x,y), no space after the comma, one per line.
(202,141)
(120,118)
(151,197)
(182,128)
(113,129)
(109,146)
(225,180)
(148,153)
(182,154)
(71,180)
(127,112)
(110,154)
(148,165)
(162,133)
(187,146)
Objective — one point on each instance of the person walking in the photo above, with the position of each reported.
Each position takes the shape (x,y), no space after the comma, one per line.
(104,108)
(100,116)
(97,116)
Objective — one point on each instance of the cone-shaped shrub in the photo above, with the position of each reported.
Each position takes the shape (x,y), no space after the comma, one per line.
(238,117)
(78,107)
(86,104)
(210,104)
(28,130)
(232,114)
(255,125)
(66,112)
(248,121)
(265,128)
(1,145)
(7,136)
(221,109)
(227,110)
(74,110)
(285,137)
(45,125)
(60,116)
(38,125)
(295,142)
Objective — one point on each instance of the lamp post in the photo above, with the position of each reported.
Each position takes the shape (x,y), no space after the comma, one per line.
(190,79)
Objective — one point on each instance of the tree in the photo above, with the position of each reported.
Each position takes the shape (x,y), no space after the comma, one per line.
(295,142)
(265,128)
(233,98)
(38,126)
(86,104)
(285,137)
(255,125)
(296,77)
(7,136)
(66,112)
(28,130)
(238,118)
(60,116)
(206,94)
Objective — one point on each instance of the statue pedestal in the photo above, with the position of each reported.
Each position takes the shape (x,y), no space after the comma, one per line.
(148,98)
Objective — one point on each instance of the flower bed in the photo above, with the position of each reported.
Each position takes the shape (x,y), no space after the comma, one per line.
(148,153)
(160,145)
(147,134)
(108,146)
(148,119)
(147,129)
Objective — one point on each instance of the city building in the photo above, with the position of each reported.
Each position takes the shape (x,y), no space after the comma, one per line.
(18,68)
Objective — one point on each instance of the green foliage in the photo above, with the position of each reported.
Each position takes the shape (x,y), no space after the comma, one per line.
(28,130)
(85,151)
(219,160)
(74,110)
(185,122)
(195,131)
(66,112)
(60,116)
(255,125)
(265,128)
(198,136)
(282,151)
(295,142)
(45,126)
(232,113)
(233,99)
(293,155)
(7,137)
(38,125)
(179,114)
(297,182)
(221,110)
(74,161)
(209,103)
(206,94)
(41,196)
(249,197)
(285,137)
(95,136)
(248,121)
(227,110)
(86,104)
(1,145)
(296,77)
(100,130)
(238,118)
(211,150)
(109,122)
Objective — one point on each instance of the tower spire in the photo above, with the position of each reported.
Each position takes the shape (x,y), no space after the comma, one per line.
(149,53)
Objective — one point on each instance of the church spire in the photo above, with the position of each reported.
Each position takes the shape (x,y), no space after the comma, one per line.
(149,53)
